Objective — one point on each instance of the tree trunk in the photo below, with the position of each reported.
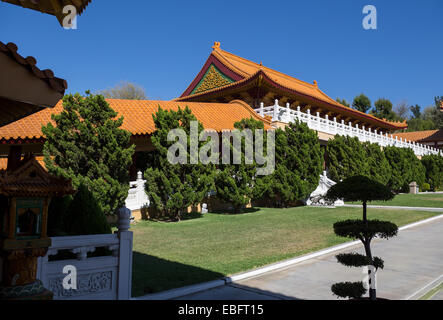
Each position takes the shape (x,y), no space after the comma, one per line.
(367,244)
(372,292)
(364,212)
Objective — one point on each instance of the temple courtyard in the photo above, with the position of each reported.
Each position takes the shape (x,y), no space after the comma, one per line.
(215,245)
(412,270)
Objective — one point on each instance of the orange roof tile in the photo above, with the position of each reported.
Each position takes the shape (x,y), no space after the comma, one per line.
(421,136)
(248,69)
(138,117)
(30,179)
(4,163)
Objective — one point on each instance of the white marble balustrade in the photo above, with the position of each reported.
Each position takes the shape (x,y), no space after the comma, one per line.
(334,127)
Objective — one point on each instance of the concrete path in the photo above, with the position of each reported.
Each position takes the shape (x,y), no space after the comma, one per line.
(413,262)
(397,207)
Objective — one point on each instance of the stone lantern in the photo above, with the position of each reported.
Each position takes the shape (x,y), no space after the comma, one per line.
(25,194)
(413,187)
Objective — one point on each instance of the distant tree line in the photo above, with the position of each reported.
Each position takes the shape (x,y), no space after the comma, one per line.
(391,166)
(418,118)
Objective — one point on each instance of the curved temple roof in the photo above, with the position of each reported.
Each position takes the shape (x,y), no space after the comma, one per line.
(240,71)
(24,88)
(52,7)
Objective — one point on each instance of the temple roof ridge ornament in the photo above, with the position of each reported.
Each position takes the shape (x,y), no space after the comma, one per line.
(216,45)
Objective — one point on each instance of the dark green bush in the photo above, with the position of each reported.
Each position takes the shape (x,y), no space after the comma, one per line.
(359,188)
(359,260)
(406,168)
(56,215)
(84,215)
(351,290)
(359,229)
(425,187)
(346,158)
(434,171)
(379,168)
(298,165)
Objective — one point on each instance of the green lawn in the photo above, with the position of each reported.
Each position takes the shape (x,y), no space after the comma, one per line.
(431,293)
(432,200)
(171,255)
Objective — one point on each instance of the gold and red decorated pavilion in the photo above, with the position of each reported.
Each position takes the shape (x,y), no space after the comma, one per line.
(25,186)
(225,77)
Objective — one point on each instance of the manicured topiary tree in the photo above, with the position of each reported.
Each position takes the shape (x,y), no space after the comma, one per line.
(363,189)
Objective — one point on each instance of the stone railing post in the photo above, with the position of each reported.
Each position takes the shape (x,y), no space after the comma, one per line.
(309,117)
(124,282)
(335,126)
(288,112)
(276,111)
(141,194)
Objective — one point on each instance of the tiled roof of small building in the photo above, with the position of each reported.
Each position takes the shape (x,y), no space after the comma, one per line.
(422,136)
(30,179)
(137,116)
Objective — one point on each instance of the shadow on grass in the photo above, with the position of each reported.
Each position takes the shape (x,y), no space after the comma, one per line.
(183,217)
(191,216)
(231,212)
(151,274)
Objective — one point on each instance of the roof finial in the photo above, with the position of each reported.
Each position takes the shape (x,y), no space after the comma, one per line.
(216,45)
(315,83)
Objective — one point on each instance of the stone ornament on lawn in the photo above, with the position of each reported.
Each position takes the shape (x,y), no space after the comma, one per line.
(317,198)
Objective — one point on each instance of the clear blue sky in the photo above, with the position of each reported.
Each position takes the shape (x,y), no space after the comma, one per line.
(161,45)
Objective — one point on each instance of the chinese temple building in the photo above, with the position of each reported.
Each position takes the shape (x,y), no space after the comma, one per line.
(227,89)
(225,77)
(26,188)
(432,138)
(24,88)
(26,133)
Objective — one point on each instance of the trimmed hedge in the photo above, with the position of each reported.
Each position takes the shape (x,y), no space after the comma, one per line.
(406,167)
(434,172)
(391,166)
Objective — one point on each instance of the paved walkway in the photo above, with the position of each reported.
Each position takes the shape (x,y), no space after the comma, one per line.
(413,260)
(396,207)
